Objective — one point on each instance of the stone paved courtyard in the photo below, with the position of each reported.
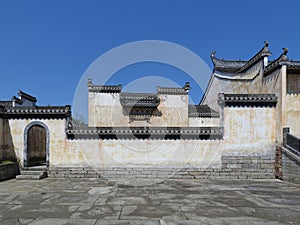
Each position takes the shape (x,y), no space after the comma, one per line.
(169,202)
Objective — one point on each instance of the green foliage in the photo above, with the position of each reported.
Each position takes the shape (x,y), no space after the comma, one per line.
(6,162)
(78,121)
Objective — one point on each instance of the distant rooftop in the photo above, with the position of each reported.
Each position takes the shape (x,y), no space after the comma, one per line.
(240,66)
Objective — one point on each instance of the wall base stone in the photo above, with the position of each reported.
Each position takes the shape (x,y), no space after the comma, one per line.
(8,171)
(233,167)
(290,166)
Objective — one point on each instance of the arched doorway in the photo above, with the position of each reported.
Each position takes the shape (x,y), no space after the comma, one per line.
(36,144)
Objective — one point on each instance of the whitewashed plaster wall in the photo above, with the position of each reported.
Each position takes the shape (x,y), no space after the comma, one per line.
(57,135)
(174,110)
(1,132)
(246,83)
(105,109)
(161,153)
(248,131)
(292,106)
(293,113)
(240,139)
(273,83)
(6,144)
(204,122)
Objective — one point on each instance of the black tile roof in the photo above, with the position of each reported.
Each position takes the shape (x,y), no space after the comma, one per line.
(22,112)
(229,66)
(103,88)
(248,99)
(26,96)
(139,100)
(202,111)
(282,59)
(16,100)
(293,66)
(146,133)
(174,90)
(6,103)
(234,66)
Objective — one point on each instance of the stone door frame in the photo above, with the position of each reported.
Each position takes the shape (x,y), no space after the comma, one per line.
(26,130)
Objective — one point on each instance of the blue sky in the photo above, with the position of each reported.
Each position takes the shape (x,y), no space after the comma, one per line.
(46,46)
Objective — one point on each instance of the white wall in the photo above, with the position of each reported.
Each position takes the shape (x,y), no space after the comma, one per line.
(105,109)
(248,129)
(204,122)
(57,135)
(293,113)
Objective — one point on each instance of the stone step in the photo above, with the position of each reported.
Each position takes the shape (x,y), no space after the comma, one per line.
(33,172)
(30,177)
(35,168)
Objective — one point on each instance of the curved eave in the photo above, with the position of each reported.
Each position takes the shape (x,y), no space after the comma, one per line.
(229,66)
(237,76)
(276,64)
(41,112)
(239,66)
(251,100)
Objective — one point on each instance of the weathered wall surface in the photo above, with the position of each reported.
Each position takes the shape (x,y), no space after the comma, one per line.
(204,122)
(105,153)
(106,110)
(249,132)
(290,166)
(8,171)
(277,82)
(162,159)
(292,107)
(6,143)
(293,113)
(253,82)
(1,132)
(274,83)
(174,110)
(231,157)
(247,83)
(293,83)
(271,84)
(254,126)
(287,109)
(57,135)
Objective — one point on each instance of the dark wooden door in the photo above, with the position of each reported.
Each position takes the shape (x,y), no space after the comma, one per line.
(36,146)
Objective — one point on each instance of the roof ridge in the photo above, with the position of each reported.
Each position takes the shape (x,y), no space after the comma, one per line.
(174,90)
(238,66)
(277,62)
(137,94)
(27,96)
(227,65)
(263,52)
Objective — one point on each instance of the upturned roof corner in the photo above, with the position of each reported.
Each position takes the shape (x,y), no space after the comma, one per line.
(281,60)
(239,66)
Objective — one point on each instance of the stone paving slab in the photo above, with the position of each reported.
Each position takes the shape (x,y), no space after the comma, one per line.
(169,202)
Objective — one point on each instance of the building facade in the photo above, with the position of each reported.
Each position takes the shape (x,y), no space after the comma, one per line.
(235,131)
